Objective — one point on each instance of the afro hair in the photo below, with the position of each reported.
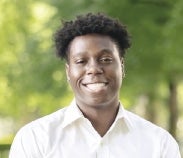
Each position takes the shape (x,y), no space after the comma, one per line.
(91,23)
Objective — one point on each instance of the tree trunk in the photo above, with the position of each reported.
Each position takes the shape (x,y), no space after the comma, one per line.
(151,109)
(173,108)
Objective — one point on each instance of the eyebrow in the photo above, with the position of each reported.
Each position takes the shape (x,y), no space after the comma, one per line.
(100,52)
(107,51)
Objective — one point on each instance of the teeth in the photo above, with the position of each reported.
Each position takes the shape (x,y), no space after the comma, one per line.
(95,86)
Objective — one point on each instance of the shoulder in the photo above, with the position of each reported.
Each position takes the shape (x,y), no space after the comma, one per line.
(149,131)
(44,125)
(139,123)
(34,137)
(49,121)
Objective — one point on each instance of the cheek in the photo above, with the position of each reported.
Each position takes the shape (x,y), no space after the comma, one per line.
(117,76)
(75,75)
(116,71)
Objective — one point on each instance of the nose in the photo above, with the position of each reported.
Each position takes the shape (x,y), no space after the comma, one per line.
(94,67)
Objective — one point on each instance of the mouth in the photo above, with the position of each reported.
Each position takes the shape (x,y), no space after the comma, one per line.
(96,87)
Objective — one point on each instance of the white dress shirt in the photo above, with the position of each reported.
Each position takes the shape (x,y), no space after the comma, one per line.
(68,134)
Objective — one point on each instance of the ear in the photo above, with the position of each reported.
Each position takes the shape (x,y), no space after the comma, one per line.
(67,71)
(122,67)
(122,60)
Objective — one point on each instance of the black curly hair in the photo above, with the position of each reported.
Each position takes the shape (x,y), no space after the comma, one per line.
(90,23)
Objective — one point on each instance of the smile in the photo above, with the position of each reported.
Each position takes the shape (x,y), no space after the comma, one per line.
(95,87)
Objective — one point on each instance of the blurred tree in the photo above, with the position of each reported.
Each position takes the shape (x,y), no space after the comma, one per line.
(32,81)
(150,63)
(12,39)
(30,75)
(172,65)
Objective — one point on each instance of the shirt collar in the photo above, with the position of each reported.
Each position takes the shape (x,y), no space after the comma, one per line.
(73,113)
(123,115)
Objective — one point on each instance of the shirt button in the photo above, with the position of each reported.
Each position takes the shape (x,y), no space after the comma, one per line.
(101,143)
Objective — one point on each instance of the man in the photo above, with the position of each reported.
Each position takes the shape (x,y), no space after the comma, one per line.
(95,125)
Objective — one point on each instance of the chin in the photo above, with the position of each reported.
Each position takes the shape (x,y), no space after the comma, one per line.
(98,102)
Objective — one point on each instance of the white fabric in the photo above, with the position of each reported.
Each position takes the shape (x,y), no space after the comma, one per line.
(67,134)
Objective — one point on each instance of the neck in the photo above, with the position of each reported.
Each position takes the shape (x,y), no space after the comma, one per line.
(101,118)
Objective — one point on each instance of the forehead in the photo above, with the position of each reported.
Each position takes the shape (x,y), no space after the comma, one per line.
(92,42)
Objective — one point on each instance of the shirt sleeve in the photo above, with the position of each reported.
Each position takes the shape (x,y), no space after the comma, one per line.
(25,145)
(169,148)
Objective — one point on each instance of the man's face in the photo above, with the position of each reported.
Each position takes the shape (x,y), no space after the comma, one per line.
(94,70)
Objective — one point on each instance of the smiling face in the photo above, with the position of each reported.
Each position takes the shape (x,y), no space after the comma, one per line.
(94,70)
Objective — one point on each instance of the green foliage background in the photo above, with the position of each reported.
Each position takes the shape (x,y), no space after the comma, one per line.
(32,79)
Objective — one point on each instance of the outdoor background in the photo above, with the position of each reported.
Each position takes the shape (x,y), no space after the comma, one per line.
(32,78)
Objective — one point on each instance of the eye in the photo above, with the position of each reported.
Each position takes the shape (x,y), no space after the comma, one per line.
(106,60)
(80,61)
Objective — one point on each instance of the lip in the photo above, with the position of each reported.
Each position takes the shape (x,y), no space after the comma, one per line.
(87,83)
(95,87)
(94,82)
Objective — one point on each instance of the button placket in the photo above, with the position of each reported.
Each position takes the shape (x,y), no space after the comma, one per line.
(103,149)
